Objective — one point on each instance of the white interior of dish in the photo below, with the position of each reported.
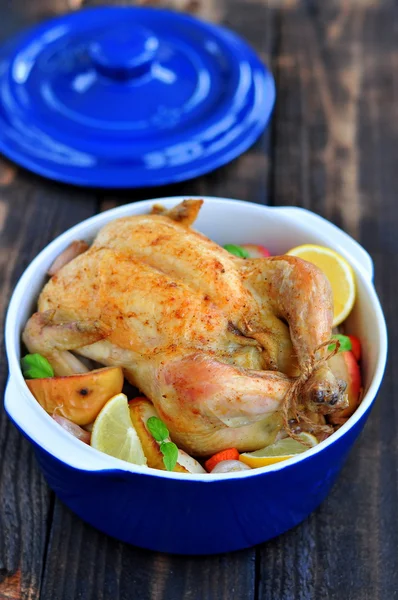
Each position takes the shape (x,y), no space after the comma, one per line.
(225,221)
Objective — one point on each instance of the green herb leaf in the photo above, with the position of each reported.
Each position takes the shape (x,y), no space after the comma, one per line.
(237,250)
(170,454)
(345,343)
(157,428)
(35,366)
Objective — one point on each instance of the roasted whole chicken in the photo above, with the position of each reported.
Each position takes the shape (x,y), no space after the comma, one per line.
(214,341)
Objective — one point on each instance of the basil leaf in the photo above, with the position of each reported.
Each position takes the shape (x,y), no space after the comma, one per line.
(33,373)
(345,343)
(237,250)
(170,454)
(35,366)
(157,428)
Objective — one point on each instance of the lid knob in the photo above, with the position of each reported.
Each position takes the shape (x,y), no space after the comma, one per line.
(124,53)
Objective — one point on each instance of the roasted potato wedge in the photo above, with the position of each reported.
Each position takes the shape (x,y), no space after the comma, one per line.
(141,409)
(78,398)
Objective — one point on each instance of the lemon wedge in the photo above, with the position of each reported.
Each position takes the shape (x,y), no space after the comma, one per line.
(338,271)
(280,450)
(114,433)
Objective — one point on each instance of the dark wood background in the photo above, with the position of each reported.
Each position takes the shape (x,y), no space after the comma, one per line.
(332,148)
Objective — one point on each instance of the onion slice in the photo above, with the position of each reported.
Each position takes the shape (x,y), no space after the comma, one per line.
(75,430)
(230,466)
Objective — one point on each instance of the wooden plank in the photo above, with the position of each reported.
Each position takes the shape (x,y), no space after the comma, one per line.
(25,499)
(82,562)
(32,213)
(336,153)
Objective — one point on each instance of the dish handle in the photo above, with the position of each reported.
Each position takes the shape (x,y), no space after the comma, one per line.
(53,438)
(347,246)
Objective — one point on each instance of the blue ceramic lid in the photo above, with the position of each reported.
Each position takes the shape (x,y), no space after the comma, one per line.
(130,97)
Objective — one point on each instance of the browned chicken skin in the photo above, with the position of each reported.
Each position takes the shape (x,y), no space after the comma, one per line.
(213,340)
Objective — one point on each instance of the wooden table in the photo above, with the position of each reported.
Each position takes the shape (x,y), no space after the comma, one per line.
(332,148)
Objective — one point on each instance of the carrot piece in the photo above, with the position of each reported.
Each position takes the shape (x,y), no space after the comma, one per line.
(355,347)
(228,454)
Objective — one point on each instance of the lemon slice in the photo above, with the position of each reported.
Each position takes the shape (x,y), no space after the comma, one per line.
(114,434)
(280,450)
(338,271)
